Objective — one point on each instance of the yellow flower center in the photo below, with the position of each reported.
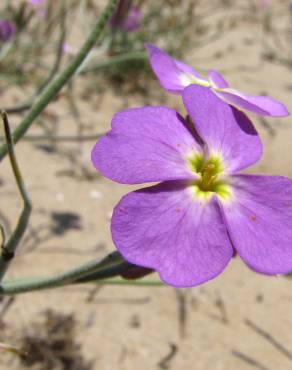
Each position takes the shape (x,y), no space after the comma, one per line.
(211,177)
(208,177)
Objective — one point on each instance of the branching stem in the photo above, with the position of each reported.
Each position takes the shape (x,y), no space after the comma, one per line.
(9,247)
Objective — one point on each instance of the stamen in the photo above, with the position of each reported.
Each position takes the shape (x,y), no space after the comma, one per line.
(208,177)
(211,177)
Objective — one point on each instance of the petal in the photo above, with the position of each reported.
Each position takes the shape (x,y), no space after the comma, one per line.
(172,74)
(261,105)
(217,80)
(226,131)
(165,228)
(145,144)
(259,221)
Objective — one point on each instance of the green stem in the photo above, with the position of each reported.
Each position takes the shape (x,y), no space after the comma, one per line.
(56,85)
(9,248)
(142,282)
(3,236)
(48,282)
(117,59)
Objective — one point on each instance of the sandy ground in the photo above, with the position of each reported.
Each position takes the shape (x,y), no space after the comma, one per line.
(239,321)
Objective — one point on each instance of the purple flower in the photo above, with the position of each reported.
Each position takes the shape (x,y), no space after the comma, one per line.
(190,225)
(7,30)
(174,76)
(39,6)
(133,19)
(127,17)
(35,2)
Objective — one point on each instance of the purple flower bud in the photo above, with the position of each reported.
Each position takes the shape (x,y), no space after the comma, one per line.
(35,2)
(133,20)
(126,18)
(7,30)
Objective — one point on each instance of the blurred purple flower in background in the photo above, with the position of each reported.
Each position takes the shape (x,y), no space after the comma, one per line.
(39,6)
(174,76)
(69,49)
(190,225)
(127,18)
(35,2)
(7,30)
(133,19)
(264,4)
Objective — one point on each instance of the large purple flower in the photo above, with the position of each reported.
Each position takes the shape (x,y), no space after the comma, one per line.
(190,225)
(174,76)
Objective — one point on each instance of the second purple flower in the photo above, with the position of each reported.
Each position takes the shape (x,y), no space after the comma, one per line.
(174,76)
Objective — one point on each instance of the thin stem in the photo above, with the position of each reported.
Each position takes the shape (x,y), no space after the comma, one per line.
(117,59)
(18,109)
(56,85)
(110,272)
(12,349)
(48,282)
(9,248)
(142,282)
(59,53)
(69,138)
(3,236)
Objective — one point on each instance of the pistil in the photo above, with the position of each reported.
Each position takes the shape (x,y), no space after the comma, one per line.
(208,176)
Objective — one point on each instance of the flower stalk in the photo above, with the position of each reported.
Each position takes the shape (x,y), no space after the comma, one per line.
(112,262)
